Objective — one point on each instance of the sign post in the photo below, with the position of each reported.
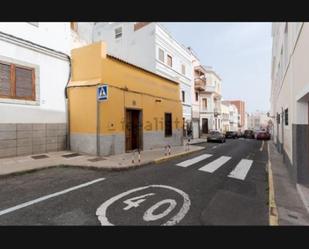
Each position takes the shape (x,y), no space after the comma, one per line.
(102,95)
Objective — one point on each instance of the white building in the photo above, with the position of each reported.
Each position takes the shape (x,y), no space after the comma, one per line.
(150,45)
(225,118)
(258,121)
(197,88)
(233,117)
(290,96)
(34,70)
(210,102)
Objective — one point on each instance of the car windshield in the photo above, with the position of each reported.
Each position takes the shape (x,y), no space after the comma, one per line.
(214,132)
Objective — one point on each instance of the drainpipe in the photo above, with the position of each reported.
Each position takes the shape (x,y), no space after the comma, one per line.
(67,106)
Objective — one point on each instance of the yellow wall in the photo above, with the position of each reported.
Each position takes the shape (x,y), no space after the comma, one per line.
(127,84)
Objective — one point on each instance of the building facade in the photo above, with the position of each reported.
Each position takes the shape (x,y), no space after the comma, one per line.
(210,102)
(197,87)
(258,121)
(34,70)
(240,105)
(233,115)
(225,118)
(150,46)
(290,96)
(141,111)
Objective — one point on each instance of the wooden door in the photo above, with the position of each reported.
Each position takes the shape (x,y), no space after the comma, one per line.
(135,130)
(205,125)
(128,132)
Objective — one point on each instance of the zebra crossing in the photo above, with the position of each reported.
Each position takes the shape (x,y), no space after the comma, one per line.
(239,172)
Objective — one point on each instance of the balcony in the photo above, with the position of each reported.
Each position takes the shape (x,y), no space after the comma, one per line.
(199,83)
(217,111)
(210,89)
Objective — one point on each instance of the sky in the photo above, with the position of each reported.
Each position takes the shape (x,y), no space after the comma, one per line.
(239,52)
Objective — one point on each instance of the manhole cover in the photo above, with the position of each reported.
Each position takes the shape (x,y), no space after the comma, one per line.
(40,157)
(96,159)
(71,155)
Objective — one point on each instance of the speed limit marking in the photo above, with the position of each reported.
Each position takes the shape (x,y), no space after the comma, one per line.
(149,213)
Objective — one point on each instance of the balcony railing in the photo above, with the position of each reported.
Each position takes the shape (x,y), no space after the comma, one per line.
(200,83)
(210,89)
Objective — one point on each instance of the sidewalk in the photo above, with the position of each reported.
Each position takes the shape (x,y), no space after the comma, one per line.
(195,140)
(19,164)
(291,210)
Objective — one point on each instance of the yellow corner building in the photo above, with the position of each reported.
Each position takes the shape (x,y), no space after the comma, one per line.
(117,107)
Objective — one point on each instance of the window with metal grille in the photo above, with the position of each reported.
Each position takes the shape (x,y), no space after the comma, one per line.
(183,96)
(278,118)
(168,124)
(118,32)
(196,96)
(161,55)
(286,116)
(183,69)
(16,82)
(169,60)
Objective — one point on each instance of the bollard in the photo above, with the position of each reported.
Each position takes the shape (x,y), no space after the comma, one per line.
(139,157)
(133,156)
(169,149)
(165,153)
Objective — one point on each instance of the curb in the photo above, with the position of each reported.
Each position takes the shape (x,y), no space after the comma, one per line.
(273,212)
(166,158)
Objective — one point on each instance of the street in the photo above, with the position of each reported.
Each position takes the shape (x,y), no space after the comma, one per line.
(224,184)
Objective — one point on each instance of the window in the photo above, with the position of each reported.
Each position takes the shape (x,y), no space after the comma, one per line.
(161,55)
(204,103)
(278,118)
(286,116)
(168,124)
(183,96)
(169,60)
(16,82)
(36,24)
(196,96)
(118,32)
(183,69)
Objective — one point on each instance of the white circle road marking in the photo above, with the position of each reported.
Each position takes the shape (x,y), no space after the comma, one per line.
(149,216)
(101,211)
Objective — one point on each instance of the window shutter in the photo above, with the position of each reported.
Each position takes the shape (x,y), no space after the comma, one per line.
(24,83)
(5,79)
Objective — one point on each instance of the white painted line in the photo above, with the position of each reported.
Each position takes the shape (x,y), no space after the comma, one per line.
(262,146)
(214,165)
(193,160)
(12,209)
(241,169)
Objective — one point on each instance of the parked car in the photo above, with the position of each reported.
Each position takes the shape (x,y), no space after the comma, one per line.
(249,134)
(262,135)
(231,134)
(216,136)
(239,134)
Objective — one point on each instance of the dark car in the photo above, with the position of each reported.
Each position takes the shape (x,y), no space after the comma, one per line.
(262,135)
(240,134)
(216,136)
(231,134)
(249,134)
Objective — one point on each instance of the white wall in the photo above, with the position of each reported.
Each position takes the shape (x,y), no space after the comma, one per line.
(140,47)
(51,72)
(136,47)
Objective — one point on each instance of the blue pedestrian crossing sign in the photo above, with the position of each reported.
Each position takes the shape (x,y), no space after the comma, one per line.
(102,93)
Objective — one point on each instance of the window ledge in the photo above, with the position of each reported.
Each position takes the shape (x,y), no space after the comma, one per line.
(19,101)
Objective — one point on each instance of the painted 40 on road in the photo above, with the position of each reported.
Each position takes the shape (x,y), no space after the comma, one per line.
(158,212)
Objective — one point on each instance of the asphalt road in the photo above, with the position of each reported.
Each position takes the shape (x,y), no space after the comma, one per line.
(156,194)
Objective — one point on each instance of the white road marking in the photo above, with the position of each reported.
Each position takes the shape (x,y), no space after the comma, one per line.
(214,165)
(193,160)
(241,169)
(149,216)
(26,204)
(262,146)
(102,216)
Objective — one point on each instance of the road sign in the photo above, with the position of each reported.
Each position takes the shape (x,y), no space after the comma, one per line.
(102,93)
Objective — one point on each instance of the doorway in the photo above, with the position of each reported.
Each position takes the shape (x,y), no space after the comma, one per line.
(205,125)
(133,132)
